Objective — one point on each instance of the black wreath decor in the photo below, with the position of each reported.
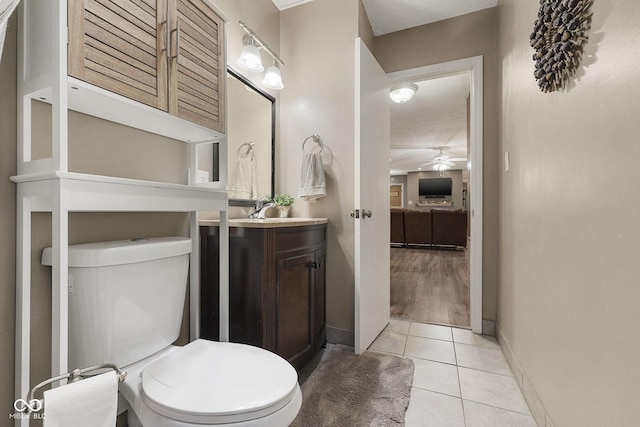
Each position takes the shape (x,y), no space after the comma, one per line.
(559,35)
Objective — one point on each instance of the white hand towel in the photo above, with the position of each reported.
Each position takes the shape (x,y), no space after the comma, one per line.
(246,182)
(312,181)
(90,402)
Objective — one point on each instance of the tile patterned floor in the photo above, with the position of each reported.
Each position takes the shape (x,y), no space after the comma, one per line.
(460,380)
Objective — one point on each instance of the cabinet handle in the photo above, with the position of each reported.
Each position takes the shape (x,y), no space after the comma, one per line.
(315,265)
(165,26)
(177,31)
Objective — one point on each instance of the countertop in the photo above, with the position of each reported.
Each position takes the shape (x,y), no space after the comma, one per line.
(268,222)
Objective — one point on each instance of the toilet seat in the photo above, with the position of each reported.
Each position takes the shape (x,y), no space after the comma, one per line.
(212,383)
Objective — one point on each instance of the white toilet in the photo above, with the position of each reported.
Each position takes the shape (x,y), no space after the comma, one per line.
(126,301)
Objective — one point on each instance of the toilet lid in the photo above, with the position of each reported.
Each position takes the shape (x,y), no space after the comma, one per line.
(208,382)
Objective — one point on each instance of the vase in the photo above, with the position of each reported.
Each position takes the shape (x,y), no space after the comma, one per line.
(283,211)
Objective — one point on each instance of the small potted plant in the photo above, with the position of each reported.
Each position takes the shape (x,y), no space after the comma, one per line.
(283,203)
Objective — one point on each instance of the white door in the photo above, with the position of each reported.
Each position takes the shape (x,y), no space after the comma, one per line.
(372,257)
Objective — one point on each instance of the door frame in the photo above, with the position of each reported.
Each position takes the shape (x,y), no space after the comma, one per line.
(473,66)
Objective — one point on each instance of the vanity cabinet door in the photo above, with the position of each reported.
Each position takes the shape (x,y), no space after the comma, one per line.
(294,311)
(119,45)
(196,68)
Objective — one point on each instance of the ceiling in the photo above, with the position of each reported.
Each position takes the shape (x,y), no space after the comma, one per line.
(388,16)
(436,117)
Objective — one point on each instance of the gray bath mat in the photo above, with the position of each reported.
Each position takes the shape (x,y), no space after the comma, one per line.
(347,390)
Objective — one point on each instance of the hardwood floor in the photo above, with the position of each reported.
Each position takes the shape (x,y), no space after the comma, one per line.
(430,285)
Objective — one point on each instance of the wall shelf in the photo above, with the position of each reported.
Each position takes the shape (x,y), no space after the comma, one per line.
(46,185)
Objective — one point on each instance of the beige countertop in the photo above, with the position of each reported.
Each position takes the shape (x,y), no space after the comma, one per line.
(268,222)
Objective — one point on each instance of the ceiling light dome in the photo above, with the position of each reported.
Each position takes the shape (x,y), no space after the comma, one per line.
(403,93)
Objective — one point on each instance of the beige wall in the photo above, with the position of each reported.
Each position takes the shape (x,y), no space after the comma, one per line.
(7,219)
(462,37)
(569,232)
(318,98)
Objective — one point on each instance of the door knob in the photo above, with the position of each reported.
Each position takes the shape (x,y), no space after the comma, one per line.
(366,214)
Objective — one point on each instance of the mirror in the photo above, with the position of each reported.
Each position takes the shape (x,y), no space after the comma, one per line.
(251,141)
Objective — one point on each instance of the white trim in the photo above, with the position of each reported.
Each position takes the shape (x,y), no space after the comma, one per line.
(474,66)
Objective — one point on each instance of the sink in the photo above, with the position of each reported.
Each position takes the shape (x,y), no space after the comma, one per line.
(267,222)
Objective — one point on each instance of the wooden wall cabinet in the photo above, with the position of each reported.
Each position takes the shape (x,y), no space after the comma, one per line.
(167,54)
(276,286)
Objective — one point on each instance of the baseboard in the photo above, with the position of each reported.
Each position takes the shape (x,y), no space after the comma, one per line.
(489,327)
(340,336)
(530,396)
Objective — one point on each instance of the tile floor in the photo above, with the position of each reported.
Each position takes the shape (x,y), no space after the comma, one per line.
(460,380)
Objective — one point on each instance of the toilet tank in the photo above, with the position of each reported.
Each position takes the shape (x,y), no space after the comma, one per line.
(126,298)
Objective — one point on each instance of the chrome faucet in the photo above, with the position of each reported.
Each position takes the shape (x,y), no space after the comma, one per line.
(261,209)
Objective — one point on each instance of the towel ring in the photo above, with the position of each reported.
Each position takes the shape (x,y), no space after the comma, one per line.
(316,139)
(249,150)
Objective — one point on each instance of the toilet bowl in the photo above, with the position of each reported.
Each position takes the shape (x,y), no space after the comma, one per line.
(125,307)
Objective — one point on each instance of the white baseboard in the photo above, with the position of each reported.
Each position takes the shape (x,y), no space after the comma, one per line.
(538,410)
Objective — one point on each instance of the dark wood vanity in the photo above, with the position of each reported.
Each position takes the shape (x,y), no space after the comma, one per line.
(276,285)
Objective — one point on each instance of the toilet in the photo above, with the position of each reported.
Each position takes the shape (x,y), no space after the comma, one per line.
(126,303)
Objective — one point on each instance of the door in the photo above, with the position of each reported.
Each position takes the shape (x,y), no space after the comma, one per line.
(372,257)
(119,46)
(196,67)
(395,196)
(294,308)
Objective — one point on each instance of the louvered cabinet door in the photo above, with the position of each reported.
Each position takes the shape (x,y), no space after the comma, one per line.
(196,66)
(120,46)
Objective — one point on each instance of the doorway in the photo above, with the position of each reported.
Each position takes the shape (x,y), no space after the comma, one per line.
(472,66)
(396,195)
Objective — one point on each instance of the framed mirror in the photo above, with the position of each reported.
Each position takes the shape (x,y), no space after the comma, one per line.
(251,141)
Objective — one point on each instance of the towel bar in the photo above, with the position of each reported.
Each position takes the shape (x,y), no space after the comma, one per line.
(76,375)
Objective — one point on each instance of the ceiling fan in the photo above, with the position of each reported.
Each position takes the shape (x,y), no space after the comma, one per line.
(441,162)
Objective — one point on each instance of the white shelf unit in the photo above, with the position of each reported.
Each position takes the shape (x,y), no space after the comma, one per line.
(46,185)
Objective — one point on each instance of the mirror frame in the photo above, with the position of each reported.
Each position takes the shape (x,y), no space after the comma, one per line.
(216,157)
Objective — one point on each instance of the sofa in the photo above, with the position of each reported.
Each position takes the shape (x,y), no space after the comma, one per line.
(436,227)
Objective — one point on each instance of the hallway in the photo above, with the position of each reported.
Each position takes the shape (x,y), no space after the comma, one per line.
(460,379)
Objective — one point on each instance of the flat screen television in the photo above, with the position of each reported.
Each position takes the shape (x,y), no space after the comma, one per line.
(434,188)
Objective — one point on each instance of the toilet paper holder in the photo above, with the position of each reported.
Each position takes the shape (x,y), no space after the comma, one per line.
(73,376)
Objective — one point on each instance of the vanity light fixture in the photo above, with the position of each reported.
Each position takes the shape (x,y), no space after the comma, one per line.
(251,56)
(403,93)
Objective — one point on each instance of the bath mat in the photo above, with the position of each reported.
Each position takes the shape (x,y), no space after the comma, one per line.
(347,390)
